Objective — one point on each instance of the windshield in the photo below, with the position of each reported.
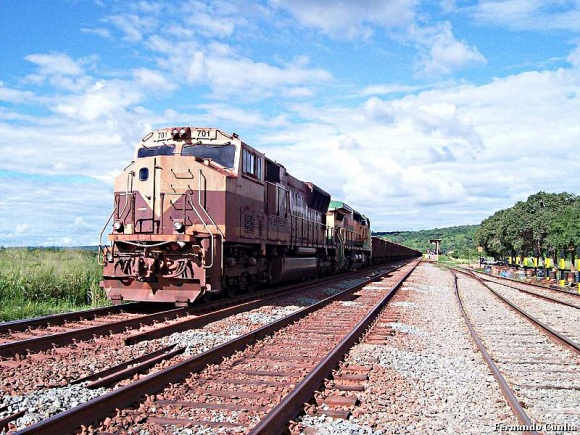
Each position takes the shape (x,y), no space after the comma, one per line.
(221,154)
(161,150)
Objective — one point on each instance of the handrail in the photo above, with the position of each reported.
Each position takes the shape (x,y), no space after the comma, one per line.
(203,208)
(130,178)
(222,238)
(206,227)
(103,230)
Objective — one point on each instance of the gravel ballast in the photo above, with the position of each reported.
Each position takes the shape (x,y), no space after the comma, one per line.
(428,377)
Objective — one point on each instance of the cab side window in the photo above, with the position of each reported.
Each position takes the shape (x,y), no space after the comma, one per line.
(252,164)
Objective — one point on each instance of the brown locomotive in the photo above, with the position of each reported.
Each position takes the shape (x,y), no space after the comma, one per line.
(199,212)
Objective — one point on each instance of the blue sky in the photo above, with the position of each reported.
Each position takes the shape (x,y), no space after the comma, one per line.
(420,114)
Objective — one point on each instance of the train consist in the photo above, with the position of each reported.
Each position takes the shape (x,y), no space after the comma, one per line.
(199,212)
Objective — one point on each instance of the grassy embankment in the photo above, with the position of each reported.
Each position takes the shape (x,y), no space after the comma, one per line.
(37,282)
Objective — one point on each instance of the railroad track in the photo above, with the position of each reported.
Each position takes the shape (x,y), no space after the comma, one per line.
(538,372)
(111,359)
(559,318)
(23,337)
(572,292)
(40,339)
(548,293)
(264,365)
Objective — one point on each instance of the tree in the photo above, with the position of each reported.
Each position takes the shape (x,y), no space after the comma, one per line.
(564,230)
(544,222)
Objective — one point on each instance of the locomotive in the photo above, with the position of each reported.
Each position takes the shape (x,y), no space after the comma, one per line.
(198,212)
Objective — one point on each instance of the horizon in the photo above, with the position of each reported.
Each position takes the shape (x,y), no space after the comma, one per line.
(373,232)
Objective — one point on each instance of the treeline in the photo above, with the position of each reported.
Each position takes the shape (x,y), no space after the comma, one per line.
(545,225)
(456,241)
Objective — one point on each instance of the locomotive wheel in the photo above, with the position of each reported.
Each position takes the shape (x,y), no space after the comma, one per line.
(207,297)
(231,291)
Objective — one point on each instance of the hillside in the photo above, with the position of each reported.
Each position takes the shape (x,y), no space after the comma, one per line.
(457,241)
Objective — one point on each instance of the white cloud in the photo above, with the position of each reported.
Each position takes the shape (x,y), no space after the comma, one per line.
(153,80)
(387,89)
(65,208)
(80,223)
(440,53)
(529,14)
(452,153)
(132,26)
(347,19)
(59,70)
(574,57)
(58,63)
(104,99)
(233,75)
(21,228)
(15,95)
(100,31)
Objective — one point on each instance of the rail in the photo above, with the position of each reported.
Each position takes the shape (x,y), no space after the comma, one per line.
(572,345)
(121,397)
(276,420)
(512,400)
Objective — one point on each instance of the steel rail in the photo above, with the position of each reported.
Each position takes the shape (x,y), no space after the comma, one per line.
(120,367)
(276,421)
(44,342)
(129,371)
(533,284)
(548,298)
(562,339)
(5,422)
(509,395)
(222,309)
(59,319)
(100,407)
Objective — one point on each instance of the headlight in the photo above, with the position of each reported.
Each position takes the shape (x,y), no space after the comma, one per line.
(118,226)
(179,227)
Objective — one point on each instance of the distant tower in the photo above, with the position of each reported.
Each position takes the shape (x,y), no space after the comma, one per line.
(436,242)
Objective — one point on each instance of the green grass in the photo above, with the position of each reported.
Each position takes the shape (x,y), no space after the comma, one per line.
(37,281)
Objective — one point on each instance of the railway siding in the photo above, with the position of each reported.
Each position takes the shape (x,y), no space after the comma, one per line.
(425,378)
(543,374)
(562,318)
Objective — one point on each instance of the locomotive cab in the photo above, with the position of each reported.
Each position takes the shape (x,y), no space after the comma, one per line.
(199,212)
(351,234)
(168,219)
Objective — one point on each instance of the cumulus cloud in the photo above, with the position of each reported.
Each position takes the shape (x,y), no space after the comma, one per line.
(347,19)
(440,53)
(153,80)
(59,70)
(227,73)
(103,99)
(449,152)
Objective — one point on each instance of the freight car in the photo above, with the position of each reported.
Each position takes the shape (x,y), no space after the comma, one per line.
(385,250)
(199,212)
